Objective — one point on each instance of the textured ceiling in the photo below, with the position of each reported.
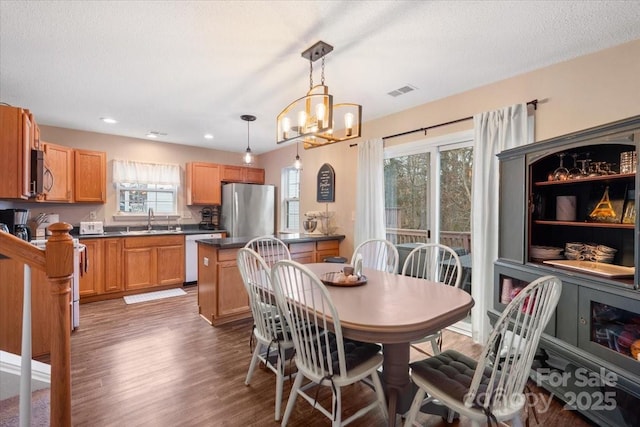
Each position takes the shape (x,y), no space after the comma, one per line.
(186,68)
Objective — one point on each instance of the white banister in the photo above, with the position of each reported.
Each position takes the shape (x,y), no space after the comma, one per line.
(25,360)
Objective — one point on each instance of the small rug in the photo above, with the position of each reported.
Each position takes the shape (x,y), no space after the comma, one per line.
(10,410)
(151,296)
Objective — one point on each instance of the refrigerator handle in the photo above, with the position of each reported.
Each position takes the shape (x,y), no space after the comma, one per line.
(235,213)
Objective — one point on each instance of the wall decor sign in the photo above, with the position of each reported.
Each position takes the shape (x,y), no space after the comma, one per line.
(326,184)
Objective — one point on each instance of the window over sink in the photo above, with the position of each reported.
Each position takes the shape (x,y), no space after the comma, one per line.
(143,186)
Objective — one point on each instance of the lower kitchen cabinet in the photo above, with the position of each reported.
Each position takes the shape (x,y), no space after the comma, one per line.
(121,266)
(153,261)
(222,297)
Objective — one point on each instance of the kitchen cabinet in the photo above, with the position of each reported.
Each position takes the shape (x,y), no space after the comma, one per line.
(90,176)
(92,280)
(222,297)
(113,265)
(58,174)
(203,184)
(16,140)
(327,248)
(596,321)
(243,174)
(104,274)
(153,261)
(11,301)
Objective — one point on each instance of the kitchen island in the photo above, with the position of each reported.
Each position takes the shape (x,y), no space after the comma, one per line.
(221,294)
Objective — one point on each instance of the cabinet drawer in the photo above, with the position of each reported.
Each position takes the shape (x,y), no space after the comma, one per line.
(151,241)
(228,255)
(295,248)
(327,244)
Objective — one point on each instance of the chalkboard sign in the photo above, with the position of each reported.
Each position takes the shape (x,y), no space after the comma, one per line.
(326,184)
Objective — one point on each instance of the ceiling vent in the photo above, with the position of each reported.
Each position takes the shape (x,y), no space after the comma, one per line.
(402,90)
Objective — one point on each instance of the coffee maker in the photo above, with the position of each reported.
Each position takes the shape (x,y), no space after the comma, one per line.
(16,222)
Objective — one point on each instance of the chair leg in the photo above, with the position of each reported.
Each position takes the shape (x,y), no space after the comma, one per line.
(252,364)
(279,383)
(337,403)
(436,344)
(292,399)
(377,385)
(415,407)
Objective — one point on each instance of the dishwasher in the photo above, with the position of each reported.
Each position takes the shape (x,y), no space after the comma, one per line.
(191,255)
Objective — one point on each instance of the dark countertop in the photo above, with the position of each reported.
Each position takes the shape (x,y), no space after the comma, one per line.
(238,242)
(141,233)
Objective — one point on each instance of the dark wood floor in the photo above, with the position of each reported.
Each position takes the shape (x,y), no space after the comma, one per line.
(158,363)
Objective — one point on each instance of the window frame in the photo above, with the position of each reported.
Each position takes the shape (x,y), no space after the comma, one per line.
(284,200)
(174,191)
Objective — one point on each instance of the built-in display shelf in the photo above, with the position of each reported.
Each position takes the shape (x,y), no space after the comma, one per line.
(585,224)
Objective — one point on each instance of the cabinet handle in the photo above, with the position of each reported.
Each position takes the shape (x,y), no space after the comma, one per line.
(47,172)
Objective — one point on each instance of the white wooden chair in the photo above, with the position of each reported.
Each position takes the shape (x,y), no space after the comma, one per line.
(438,263)
(378,254)
(325,358)
(491,389)
(270,248)
(273,341)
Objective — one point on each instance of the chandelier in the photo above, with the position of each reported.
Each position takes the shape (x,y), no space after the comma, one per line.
(314,119)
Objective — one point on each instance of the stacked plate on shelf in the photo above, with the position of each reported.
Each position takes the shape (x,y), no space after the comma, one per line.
(542,253)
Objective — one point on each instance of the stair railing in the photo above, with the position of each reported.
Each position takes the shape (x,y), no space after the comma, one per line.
(57,262)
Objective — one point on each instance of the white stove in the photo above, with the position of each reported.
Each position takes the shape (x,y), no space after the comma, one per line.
(79,265)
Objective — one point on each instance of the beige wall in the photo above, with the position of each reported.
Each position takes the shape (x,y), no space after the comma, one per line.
(574,95)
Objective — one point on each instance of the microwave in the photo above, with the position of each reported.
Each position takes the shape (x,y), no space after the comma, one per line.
(37,172)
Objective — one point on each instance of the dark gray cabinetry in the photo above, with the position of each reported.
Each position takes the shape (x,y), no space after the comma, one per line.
(592,343)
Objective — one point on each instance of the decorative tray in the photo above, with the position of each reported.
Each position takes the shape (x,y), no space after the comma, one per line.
(333,279)
(599,268)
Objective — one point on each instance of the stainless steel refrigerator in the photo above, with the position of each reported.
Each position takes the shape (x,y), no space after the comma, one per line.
(248,210)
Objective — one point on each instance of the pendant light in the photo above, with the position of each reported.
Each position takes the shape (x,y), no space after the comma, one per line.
(248,156)
(298,163)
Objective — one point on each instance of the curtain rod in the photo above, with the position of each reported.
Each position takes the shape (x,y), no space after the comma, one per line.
(425,129)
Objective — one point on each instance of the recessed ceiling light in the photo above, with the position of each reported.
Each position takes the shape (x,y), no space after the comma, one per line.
(155,134)
(208,136)
(108,120)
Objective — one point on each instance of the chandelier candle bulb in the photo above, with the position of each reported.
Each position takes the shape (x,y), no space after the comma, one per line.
(348,123)
(286,127)
(320,115)
(302,121)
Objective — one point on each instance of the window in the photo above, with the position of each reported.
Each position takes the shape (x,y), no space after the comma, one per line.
(139,198)
(290,220)
(144,186)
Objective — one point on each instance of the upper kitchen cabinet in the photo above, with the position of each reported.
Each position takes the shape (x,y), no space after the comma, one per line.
(58,174)
(16,140)
(242,174)
(203,184)
(90,171)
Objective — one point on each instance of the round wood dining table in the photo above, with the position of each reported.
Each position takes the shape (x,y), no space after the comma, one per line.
(394,310)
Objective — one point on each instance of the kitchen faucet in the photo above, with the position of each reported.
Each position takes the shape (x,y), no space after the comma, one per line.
(150,217)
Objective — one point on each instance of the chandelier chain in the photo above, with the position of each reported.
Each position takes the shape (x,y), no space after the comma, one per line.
(310,74)
(322,74)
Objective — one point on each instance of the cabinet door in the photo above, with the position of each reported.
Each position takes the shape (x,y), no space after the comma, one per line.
(170,265)
(512,208)
(58,180)
(140,266)
(327,248)
(90,175)
(232,296)
(254,175)
(203,184)
(303,252)
(91,281)
(15,129)
(113,273)
(232,173)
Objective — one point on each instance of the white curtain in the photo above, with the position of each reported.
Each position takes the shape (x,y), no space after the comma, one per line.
(145,173)
(369,222)
(494,131)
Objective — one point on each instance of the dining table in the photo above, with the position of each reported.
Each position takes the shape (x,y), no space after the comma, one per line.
(393,310)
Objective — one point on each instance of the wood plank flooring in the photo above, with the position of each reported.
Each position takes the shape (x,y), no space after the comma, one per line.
(158,363)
